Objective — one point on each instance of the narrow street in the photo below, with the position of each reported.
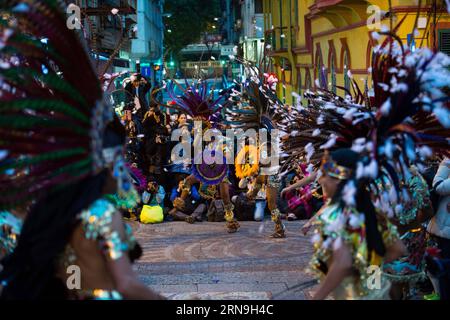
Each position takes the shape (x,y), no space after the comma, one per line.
(202,260)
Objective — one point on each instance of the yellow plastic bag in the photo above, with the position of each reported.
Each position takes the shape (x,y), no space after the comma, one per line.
(152,214)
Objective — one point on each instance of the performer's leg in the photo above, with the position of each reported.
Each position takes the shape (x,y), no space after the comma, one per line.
(232,224)
(273,185)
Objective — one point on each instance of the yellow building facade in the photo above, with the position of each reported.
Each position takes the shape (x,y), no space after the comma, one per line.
(305,37)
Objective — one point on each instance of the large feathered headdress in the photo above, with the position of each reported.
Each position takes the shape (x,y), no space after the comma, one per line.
(328,122)
(256,105)
(404,117)
(197,100)
(52,113)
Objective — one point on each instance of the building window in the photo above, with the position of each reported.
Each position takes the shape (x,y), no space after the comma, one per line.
(258,6)
(444,41)
(307,80)
(333,72)
(281,25)
(281,13)
(346,71)
(320,74)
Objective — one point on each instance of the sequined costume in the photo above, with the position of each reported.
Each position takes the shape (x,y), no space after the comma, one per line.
(258,108)
(398,123)
(199,102)
(411,268)
(64,146)
(10,227)
(336,226)
(96,222)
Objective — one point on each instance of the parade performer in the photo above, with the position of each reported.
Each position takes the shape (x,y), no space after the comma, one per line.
(349,238)
(199,103)
(62,134)
(259,108)
(410,268)
(390,134)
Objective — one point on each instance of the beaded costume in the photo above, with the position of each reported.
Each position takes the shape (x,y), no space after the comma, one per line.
(59,132)
(336,226)
(10,227)
(411,268)
(96,222)
(258,108)
(198,102)
(398,125)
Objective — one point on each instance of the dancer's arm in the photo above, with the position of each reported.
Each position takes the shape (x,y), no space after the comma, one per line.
(340,268)
(127,283)
(395,251)
(125,279)
(305,181)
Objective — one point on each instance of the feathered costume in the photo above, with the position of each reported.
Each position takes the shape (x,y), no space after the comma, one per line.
(57,139)
(258,108)
(403,121)
(197,100)
(47,119)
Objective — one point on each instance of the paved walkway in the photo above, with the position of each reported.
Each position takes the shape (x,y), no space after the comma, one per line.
(202,260)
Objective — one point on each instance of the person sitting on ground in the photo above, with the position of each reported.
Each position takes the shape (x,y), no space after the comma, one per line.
(191,210)
(302,202)
(153,202)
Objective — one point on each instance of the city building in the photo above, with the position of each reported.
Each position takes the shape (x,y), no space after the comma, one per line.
(231,21)
(108,34)
(203,59)
(252,32)
(305,37)
(147,47)
(134,35)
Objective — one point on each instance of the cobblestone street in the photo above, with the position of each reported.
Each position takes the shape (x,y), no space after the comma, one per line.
(202,260)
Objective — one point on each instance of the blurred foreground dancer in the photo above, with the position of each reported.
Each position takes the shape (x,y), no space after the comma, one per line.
(350,238)
(57,128)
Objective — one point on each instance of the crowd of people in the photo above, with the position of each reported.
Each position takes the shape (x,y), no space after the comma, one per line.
(369,172)
(302,194)
(148,149)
